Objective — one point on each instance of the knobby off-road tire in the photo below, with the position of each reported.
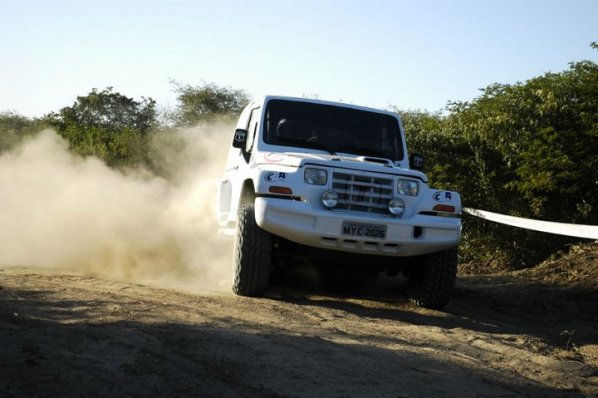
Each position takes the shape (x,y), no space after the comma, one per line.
(431,283)
(252,255)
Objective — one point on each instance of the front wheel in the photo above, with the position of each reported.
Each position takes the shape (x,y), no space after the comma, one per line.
(432,281)
(252,255)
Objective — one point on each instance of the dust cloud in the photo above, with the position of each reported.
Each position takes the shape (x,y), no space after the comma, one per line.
(60,210)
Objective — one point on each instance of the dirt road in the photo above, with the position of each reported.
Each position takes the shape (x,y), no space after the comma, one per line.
(502,336)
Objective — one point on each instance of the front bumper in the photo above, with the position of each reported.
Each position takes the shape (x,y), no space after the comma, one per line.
(299,222)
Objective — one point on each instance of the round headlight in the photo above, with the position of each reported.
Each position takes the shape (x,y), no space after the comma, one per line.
(396,206)
(329,199)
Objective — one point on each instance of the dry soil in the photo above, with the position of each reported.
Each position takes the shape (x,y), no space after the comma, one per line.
(529,333)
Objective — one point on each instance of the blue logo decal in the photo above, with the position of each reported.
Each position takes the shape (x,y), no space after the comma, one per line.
(443,196)
(274,176)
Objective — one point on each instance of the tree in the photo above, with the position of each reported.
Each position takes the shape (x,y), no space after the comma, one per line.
(205,103)
(14,127)
(108,110)
(109,125)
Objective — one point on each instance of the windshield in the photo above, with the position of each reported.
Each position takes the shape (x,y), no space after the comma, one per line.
(332,129)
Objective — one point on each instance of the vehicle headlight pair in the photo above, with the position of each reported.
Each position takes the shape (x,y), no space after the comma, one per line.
(315,176)
(396,206)
(406,188)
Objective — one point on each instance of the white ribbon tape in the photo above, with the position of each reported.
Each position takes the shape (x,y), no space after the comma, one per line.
(577,230)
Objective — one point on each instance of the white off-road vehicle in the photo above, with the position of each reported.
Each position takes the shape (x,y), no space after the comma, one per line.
(334,182)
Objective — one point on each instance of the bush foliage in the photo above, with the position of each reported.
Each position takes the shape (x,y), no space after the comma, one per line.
(528,149)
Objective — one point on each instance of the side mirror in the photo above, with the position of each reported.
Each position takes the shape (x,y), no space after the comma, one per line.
(240,138)
(416,161)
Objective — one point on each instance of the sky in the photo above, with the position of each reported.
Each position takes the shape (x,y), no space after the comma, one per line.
(413,55)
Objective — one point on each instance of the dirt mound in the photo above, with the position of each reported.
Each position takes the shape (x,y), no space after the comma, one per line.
(578,267)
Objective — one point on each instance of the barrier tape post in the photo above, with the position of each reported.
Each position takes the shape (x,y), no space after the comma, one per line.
(576,230)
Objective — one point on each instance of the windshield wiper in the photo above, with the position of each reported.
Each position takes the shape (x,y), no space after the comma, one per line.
(307,144)
(361,151)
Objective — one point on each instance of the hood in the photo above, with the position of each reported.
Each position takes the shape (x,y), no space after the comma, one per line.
(340,160)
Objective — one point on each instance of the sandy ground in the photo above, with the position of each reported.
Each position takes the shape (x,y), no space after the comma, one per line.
(505,335)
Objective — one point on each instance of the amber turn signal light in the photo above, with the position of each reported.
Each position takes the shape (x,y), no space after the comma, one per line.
(280,190)
(444,208)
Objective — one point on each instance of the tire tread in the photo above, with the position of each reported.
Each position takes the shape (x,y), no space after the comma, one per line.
(252,255)
(431,284)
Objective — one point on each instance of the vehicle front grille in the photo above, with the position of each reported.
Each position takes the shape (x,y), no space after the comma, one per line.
(362,193)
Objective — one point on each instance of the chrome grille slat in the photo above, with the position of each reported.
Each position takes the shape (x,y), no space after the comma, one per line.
(368,194)
(362,193)
(371,204)
(375,185)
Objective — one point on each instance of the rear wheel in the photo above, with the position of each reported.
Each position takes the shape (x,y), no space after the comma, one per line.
(431,283)
(252,255)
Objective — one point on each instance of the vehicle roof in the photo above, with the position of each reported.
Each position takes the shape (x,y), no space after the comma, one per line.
(267,98)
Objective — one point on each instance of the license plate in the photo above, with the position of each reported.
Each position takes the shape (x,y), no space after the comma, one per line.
(375,231)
